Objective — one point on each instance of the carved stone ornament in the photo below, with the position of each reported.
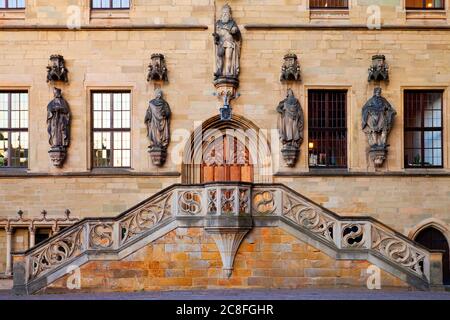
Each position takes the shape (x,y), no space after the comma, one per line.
(377,120)
(56,70)
(379,70)
(227,40)
(58,128)
(157,120)
(290,127)
(157,69)
(290,71)
(226,94)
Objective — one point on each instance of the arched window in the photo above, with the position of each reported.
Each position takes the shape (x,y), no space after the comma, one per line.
(433,239)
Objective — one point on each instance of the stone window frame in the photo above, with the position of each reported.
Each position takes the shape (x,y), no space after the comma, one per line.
(349,108)
(9,169)
(444,4)
(424,14)
(101,14)
(90,144)
(17,13)
(444,130)
(13,8)
(329,13)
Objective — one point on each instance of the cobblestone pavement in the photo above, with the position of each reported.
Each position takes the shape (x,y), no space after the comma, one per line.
(298,294)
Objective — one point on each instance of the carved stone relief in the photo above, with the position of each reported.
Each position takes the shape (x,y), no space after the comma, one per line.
(56,70)
(290,71)
(157,70)
(379,70)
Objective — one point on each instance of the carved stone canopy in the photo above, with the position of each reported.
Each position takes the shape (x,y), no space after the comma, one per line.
(379,70)
(56,70)
(290,71)
(377,121)
(157,69)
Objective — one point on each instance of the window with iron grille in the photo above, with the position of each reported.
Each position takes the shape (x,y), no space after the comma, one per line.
(111,129)
(328,4)
(425,4)
(12,4)
(110,4)
(14,129)
(327,123)
(423,128)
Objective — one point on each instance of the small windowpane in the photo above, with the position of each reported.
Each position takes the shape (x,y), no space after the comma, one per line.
(425,4)
(331,4)
(110,4)
(111,136)
(423,128)
(14,129)
(12,4)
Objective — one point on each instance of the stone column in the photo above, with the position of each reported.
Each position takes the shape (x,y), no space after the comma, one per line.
(32,231)
(9,232)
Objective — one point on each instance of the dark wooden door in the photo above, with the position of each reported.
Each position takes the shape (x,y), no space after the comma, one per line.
(226,159)
(433,239)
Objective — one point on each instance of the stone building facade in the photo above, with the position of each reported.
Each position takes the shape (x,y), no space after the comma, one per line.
(107,52)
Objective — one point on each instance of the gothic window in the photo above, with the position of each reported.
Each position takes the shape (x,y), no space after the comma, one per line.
(12,4)
(425,4)
(327,122)
(111,129)
(110,4)
(423,129)
(14,129)
(328,4)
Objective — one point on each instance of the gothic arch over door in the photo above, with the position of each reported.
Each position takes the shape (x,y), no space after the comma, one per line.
(235,150)
(433,239)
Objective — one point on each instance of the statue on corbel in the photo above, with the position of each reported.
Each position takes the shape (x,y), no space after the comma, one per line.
(157,120)
(377,121)
(58,128)
(290,127)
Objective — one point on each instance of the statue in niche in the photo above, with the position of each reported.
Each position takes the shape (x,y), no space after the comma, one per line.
(56,70)
(290,71)
(377,120)
(58,127)
(379,70)
(290,127)
(157,69)
(227,38)
(157,120)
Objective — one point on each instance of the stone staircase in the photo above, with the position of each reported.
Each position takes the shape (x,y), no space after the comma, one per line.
(227,211)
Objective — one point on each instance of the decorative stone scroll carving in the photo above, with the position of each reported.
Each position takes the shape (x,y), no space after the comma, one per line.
(57,252)
(353,235)
(377,120)
(379,70)
(264,202)
(290,127)
(157,120)
(56,70)
(290,71)
(58,127)
(157,69)
(101,235)
(190,202)
(145,218)
(227,39)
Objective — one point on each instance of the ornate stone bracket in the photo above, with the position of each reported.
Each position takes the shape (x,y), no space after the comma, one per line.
(228,241)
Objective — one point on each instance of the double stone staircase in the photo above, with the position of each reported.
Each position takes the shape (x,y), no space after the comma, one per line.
(227,211)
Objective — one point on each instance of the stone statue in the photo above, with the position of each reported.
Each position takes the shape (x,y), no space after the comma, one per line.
(157,120)
(56,70)
(58,127)
(157,70)
(290,127)
(227,38)
(377,120)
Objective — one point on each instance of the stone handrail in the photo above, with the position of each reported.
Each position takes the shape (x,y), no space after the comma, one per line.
(93,236)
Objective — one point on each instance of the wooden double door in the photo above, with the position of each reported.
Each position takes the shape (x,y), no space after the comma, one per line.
(226,159)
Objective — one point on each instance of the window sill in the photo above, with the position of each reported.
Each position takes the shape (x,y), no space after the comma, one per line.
(7,172)
(110,14)
(12,14)
(426,15)
(328,14)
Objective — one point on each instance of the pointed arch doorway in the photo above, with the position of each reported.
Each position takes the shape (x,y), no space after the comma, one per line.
(230,151)
(433,239)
